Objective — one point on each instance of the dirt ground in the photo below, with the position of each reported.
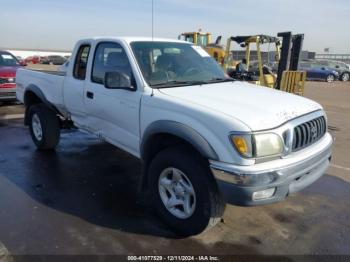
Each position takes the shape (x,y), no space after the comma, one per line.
(82,199)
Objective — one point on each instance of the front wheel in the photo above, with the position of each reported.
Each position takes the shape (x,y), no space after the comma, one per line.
(184,193)
(330,78)
(345,77)
(44,127)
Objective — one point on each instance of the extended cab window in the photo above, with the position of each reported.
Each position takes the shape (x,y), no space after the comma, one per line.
(81,62)
(110,57)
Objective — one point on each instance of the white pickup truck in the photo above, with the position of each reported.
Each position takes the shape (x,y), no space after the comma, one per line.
(203,139)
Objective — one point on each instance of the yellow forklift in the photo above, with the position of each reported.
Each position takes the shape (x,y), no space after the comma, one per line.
(216,50)
(287,56)
(264,77)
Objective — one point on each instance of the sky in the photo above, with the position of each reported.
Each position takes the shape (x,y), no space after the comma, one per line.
(58,24)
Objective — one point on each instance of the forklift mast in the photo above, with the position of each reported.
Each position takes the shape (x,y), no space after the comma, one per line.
(290,54)
(296,51)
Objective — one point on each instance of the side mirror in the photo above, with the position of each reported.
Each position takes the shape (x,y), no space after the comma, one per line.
(22,63)
(336,66)
(323,68)
(117,80)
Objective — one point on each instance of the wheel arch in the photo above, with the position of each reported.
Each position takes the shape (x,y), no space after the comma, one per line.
(179,130)
(33,95)
(165,133)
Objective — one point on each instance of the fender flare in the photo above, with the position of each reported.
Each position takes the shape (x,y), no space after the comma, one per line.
(36,90)
(182,131)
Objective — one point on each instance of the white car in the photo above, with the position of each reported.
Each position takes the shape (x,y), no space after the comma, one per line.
(203,139)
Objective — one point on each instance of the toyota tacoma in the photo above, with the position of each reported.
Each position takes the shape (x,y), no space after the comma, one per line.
(203,138)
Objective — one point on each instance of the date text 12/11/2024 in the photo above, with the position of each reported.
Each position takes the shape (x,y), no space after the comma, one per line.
(173,258)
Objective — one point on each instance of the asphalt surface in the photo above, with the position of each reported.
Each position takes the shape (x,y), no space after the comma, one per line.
(83,199)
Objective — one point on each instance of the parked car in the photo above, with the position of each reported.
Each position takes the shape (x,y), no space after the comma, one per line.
(21,61)
(44,60)
(342,68)
(203,139)
(8,67)
(32,60)
(53,59)
(315,71)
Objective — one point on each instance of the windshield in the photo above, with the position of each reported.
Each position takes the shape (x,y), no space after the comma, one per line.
(8,60)
(169,64)
(202,40)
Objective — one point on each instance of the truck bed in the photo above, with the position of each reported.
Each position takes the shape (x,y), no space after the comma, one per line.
(58,73)
(49,82)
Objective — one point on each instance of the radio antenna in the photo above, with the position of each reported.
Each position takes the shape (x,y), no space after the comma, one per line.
(152,94)
(152,19)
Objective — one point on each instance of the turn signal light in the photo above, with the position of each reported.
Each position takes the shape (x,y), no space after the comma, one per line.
(241,145)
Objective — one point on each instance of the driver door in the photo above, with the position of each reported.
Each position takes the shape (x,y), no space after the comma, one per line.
(113,113)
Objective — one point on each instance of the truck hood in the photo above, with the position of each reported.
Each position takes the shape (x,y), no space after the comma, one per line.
(258,107)
(8,71)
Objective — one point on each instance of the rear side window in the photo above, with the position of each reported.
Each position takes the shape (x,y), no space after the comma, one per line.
(81,60)
(109,57)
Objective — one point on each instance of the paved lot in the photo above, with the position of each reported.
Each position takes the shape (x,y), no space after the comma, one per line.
(82,199)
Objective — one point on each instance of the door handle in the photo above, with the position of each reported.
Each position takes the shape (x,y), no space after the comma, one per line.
(90,95)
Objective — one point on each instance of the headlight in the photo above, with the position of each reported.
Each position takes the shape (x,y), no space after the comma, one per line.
(258,145)
(268,145)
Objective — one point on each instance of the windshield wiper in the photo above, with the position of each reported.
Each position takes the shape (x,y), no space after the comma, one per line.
(175,83)
(221,80)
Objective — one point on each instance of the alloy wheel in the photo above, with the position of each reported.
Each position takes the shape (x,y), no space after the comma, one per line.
(177,193)
(36,126)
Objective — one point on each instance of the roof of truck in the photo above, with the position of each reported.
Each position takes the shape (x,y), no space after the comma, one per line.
(130,39)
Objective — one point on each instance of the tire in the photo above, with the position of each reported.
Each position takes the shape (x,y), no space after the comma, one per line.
(207,203)
(330,78)
(44,127)
(345,77)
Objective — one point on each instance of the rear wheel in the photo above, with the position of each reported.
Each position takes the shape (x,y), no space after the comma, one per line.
(345,77)
(44,127)
(330,78)
(183,191)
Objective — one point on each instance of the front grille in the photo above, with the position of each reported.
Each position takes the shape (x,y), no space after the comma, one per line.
(308,133)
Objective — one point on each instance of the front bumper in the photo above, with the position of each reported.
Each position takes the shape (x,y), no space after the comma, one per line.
(8,94)
(287,175)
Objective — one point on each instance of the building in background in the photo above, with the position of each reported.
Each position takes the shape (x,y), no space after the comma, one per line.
(337,57)
(268,57)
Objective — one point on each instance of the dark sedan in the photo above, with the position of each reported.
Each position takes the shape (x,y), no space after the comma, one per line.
(342,68)
(315,71)
(53,59)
